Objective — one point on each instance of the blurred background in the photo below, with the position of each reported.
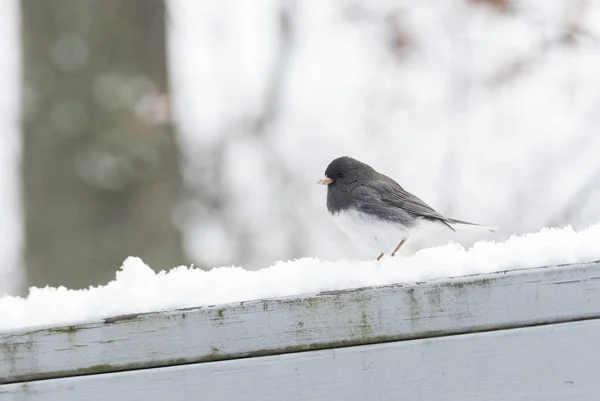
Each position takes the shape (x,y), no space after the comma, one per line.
(195,131)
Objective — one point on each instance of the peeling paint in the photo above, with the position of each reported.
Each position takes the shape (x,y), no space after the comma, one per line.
(122,318)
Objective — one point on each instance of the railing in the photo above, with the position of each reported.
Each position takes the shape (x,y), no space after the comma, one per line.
(531,334)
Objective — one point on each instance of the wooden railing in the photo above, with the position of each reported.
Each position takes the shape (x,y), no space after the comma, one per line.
(531,334)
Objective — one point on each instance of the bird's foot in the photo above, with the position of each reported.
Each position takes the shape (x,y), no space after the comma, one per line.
(380,256)
(398,247)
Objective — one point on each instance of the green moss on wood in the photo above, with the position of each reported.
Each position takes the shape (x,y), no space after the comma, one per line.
(435,298)
(365,328)
(218,317)
(413,304)
(65,329)
(312,302)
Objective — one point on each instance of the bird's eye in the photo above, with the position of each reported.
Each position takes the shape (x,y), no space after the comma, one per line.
(340,175)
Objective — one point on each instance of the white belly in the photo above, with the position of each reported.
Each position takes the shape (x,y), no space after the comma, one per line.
(375,233)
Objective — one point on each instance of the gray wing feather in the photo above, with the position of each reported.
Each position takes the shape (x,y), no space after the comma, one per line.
(385,197)
(394,196)
(392,193)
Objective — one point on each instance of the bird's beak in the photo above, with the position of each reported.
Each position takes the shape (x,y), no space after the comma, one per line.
(325,181)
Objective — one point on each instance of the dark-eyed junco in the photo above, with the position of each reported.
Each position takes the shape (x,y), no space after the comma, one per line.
(375,210)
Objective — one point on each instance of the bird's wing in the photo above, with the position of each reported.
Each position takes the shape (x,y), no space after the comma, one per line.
(391,193)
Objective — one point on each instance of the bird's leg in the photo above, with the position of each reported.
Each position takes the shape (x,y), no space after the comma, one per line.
(380,256)
(398,247)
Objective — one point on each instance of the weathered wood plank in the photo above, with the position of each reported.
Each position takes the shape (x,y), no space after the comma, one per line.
(353,317)
(542,363)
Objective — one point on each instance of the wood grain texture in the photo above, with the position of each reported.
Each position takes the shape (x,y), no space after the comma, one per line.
(333,319)
(542,363)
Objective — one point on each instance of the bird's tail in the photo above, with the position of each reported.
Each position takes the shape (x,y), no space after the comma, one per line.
(465,225)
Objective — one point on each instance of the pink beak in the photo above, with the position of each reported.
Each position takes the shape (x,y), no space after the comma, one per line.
(325,181)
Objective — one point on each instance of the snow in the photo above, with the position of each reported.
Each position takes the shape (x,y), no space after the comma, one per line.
(138,289)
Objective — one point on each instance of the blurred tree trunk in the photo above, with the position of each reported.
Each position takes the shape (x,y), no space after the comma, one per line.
(100,162)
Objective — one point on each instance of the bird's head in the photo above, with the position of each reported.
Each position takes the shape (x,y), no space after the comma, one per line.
(345,171)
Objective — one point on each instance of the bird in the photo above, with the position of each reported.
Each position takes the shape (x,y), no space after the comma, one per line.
(373,209)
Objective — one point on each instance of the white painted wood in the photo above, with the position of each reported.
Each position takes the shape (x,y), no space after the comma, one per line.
(542,363)
(363,316)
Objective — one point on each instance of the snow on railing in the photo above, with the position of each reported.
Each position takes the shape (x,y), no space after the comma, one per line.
(303,330)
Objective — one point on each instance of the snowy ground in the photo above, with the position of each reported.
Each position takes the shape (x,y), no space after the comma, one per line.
(137,288)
